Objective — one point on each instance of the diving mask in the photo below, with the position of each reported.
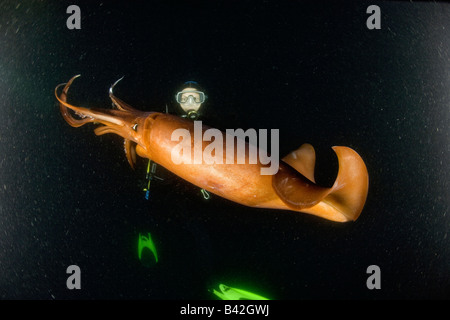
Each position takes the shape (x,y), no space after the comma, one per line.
(190,95)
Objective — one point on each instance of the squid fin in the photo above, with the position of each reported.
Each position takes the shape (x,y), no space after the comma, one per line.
(342,202)
(295,190)
(351,186)
(303,160)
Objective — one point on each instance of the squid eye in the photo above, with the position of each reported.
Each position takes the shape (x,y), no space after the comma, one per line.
(134,127)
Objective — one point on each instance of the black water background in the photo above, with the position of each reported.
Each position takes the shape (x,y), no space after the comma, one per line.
(312,70)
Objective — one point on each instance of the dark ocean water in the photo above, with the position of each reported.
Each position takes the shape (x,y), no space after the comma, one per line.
(311,69)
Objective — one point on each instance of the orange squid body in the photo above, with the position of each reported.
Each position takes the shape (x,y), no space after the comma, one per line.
(292,187)
(241,183)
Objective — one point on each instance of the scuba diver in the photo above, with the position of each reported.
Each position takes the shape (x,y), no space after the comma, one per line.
(190,99)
